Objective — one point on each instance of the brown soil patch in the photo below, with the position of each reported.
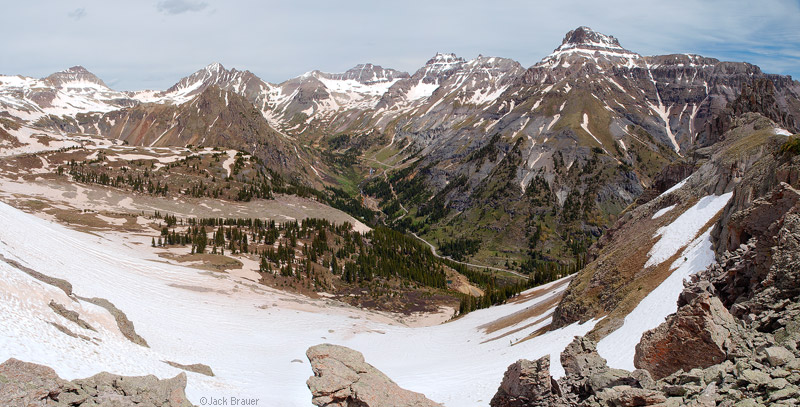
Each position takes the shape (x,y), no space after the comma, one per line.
(519,316)
(539,291)
(211,262)
(513,331)
(196,368)
(82,221)
(459,282)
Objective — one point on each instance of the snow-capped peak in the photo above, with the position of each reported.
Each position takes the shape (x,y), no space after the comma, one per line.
(244,83)
(444,59)
(76,75)
(440,64)
(367,74)
(585,37)
(584,44)
(75,70)
(215,67)
(68,92)
(196,82)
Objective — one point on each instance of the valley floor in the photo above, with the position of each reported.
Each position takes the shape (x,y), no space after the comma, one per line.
(254,338)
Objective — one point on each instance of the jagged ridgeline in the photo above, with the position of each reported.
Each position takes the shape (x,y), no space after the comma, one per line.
(533,164)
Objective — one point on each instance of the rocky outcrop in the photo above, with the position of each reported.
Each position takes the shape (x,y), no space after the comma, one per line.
(587,373)
(70,315)
(759,96)
(701,334)
(528,383)
(588,381)
(756,220)
(670,175)
(25,384)
(735,339)
(124,324)
(763,374)
(750,353)
(195,368)
(342,378)
(759,280)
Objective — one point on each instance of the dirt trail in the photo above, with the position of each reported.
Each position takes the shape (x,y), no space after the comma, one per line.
(433,250)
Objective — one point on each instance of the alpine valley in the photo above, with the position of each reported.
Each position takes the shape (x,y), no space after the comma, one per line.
(620,229)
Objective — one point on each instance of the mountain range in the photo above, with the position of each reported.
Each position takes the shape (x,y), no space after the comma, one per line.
(530,161)
(645,208)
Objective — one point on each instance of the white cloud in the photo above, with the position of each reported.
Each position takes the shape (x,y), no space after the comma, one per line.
(180,6)
(77,14)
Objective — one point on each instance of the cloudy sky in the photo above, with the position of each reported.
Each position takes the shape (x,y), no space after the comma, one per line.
(153,43)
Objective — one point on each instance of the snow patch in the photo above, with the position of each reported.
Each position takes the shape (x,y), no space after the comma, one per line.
(585,127)
(680,232)
(228,163)
(662,212)
(421,90)
(675,187)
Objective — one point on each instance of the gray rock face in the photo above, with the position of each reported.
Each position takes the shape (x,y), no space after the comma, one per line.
(27,384)
(758,278)
(630,396)
(760,96)
(342,378)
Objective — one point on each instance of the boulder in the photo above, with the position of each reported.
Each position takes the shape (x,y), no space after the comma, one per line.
(580,358)
(778,355)
(342,378)
(587,373)
(699,335)
(528,383)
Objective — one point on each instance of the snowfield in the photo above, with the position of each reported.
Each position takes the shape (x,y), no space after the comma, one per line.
(680,232)
(619,347)
(253,337)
